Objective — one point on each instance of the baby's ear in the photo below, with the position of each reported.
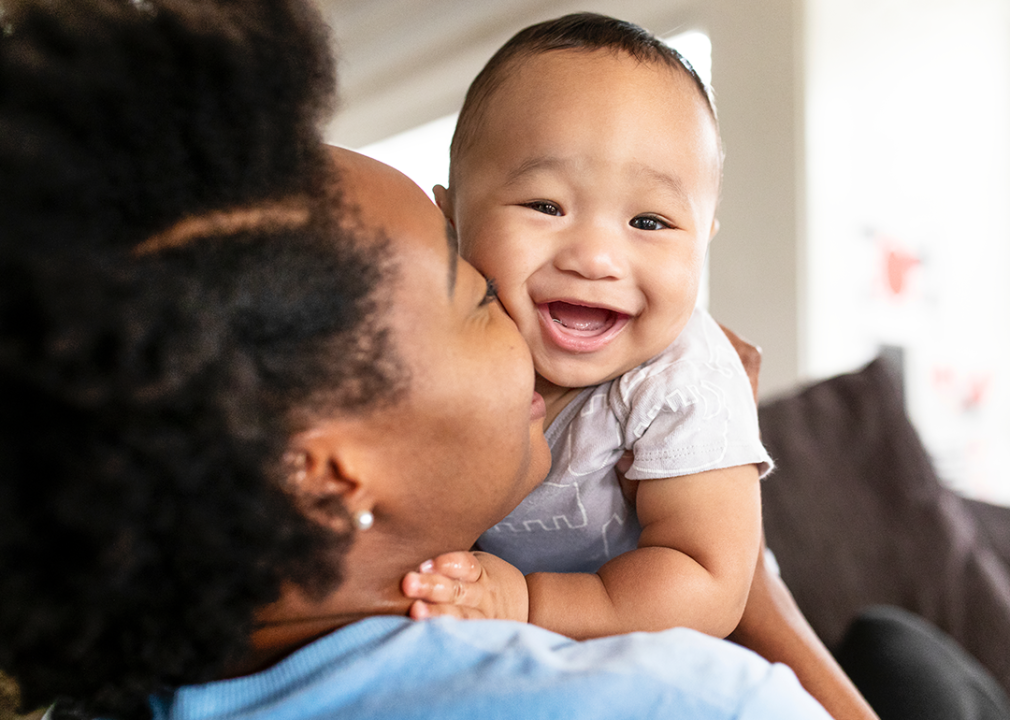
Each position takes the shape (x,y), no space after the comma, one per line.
(444,201)
(715,229)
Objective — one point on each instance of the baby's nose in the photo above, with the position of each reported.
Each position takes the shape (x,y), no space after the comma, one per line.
(593,253)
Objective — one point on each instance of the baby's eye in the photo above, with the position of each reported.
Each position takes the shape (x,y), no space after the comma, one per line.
(491,294)
(648,222)
(544,206)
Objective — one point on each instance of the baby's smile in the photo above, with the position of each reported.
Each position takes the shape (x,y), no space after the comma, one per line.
(579,328)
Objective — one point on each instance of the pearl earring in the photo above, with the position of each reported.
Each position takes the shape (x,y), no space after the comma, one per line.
(363,519)
(299,463)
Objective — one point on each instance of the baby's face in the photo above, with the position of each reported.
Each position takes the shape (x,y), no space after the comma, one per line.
(589,196)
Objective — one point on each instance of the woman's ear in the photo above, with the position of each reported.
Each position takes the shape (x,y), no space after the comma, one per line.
(714,230)
(326,480)
(443,198)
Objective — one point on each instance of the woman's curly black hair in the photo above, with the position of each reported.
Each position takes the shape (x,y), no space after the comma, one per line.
(143,413)
(146,400)
(119,116)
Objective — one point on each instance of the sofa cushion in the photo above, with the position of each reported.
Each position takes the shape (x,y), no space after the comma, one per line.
(856,516)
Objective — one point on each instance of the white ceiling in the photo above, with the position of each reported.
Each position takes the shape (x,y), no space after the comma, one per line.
(404,62)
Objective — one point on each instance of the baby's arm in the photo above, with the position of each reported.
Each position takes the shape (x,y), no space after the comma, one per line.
(693,566)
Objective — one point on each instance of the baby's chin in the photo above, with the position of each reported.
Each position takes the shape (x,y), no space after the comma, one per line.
(581,371)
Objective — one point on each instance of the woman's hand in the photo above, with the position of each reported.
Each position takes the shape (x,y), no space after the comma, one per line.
(467,585)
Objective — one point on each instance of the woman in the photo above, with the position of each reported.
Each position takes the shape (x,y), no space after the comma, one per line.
(241,391)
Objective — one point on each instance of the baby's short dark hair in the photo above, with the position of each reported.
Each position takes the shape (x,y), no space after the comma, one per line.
(577,31)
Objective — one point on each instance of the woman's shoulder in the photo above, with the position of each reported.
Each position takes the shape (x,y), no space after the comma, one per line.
(392,667)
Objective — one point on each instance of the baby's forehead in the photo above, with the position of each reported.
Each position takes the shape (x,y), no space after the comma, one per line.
(531,99)
(524,75)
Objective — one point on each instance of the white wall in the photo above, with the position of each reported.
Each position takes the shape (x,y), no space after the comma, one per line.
(756,260)
(908,147)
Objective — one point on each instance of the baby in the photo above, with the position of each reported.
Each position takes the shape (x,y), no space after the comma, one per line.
(585,174)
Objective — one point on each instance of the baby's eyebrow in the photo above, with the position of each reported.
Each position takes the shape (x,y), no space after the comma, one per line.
(671,182)
(452,240)
(533,164)
(553,162)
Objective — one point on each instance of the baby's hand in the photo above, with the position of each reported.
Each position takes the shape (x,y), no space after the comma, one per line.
(467,585)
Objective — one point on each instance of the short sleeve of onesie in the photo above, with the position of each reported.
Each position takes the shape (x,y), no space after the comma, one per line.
(690,408)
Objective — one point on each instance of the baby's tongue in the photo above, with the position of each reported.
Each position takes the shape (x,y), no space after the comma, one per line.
(579,317)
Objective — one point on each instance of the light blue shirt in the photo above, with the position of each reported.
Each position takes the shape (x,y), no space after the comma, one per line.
(392,667)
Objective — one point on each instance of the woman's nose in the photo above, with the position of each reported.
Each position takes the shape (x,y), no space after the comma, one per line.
(591,252)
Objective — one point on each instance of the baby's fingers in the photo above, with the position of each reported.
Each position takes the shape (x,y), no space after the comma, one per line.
(459,565)
(421,610)
(440,589)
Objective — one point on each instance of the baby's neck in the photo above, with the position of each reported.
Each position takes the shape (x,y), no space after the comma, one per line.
(555,397)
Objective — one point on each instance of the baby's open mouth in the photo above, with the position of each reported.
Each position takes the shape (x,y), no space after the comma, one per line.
(582,319)
(577,328)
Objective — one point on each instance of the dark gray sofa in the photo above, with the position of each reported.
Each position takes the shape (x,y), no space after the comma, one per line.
(856,516)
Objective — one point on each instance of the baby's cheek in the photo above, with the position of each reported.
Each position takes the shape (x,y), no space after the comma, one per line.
(516,307)
(478,249)
(532,334)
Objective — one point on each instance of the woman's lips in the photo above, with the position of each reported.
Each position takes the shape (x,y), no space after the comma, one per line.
(538,408)
(578,328)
